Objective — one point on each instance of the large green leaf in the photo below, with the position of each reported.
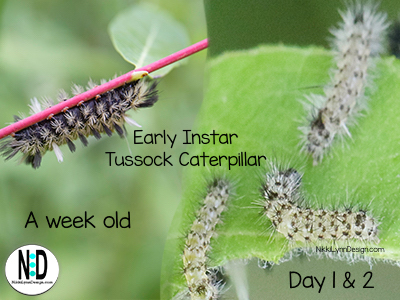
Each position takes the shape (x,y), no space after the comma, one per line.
(256,94)
(144,34)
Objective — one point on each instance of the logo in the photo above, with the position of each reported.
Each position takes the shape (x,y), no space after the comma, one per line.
(32,270)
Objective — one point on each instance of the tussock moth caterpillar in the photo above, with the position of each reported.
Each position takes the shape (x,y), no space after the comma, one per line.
(284,206)
(105,113)
(198,276)
(357,39)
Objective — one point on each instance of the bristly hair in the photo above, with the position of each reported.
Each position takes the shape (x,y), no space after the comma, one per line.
(359,37)
(199,277)
(105,113)
(284,205)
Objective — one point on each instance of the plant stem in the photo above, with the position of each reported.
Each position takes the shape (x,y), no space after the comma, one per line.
(112,84)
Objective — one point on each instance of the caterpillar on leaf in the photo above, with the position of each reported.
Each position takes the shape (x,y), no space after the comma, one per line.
(198,275)
(283,204)
(359,37)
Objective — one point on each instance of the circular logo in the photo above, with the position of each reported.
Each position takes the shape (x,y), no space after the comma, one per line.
(32,270)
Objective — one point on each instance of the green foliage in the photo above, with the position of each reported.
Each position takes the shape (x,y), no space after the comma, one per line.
(144,34)
(256,94)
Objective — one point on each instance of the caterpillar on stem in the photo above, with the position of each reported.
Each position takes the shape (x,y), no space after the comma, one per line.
(104,113)
(101,109)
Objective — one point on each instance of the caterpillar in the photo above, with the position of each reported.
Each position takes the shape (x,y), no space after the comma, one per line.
(357,39)
(104,113)
(198,276)
(283,204)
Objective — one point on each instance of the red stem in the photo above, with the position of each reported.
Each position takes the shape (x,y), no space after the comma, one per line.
(112,84)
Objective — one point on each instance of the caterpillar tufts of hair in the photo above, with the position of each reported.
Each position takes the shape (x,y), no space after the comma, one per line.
(199,277)
(103,114)
(359,37)
(283,204)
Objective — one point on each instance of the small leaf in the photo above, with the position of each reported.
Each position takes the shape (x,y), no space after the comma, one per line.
(144,34)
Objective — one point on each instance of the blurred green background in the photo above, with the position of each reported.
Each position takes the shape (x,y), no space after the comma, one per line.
(48,45)
(237,24)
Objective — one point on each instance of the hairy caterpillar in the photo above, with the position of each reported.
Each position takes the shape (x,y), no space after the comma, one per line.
(283,205)
(355,40)
(105,113)
(198,276)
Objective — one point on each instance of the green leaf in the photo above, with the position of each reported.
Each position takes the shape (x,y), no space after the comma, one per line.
(256,94)
(144,34)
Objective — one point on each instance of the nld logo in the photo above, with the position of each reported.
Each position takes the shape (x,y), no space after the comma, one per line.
(32,270)
(31,263)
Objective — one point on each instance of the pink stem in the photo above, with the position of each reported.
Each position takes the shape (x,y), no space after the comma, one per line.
(112,84)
